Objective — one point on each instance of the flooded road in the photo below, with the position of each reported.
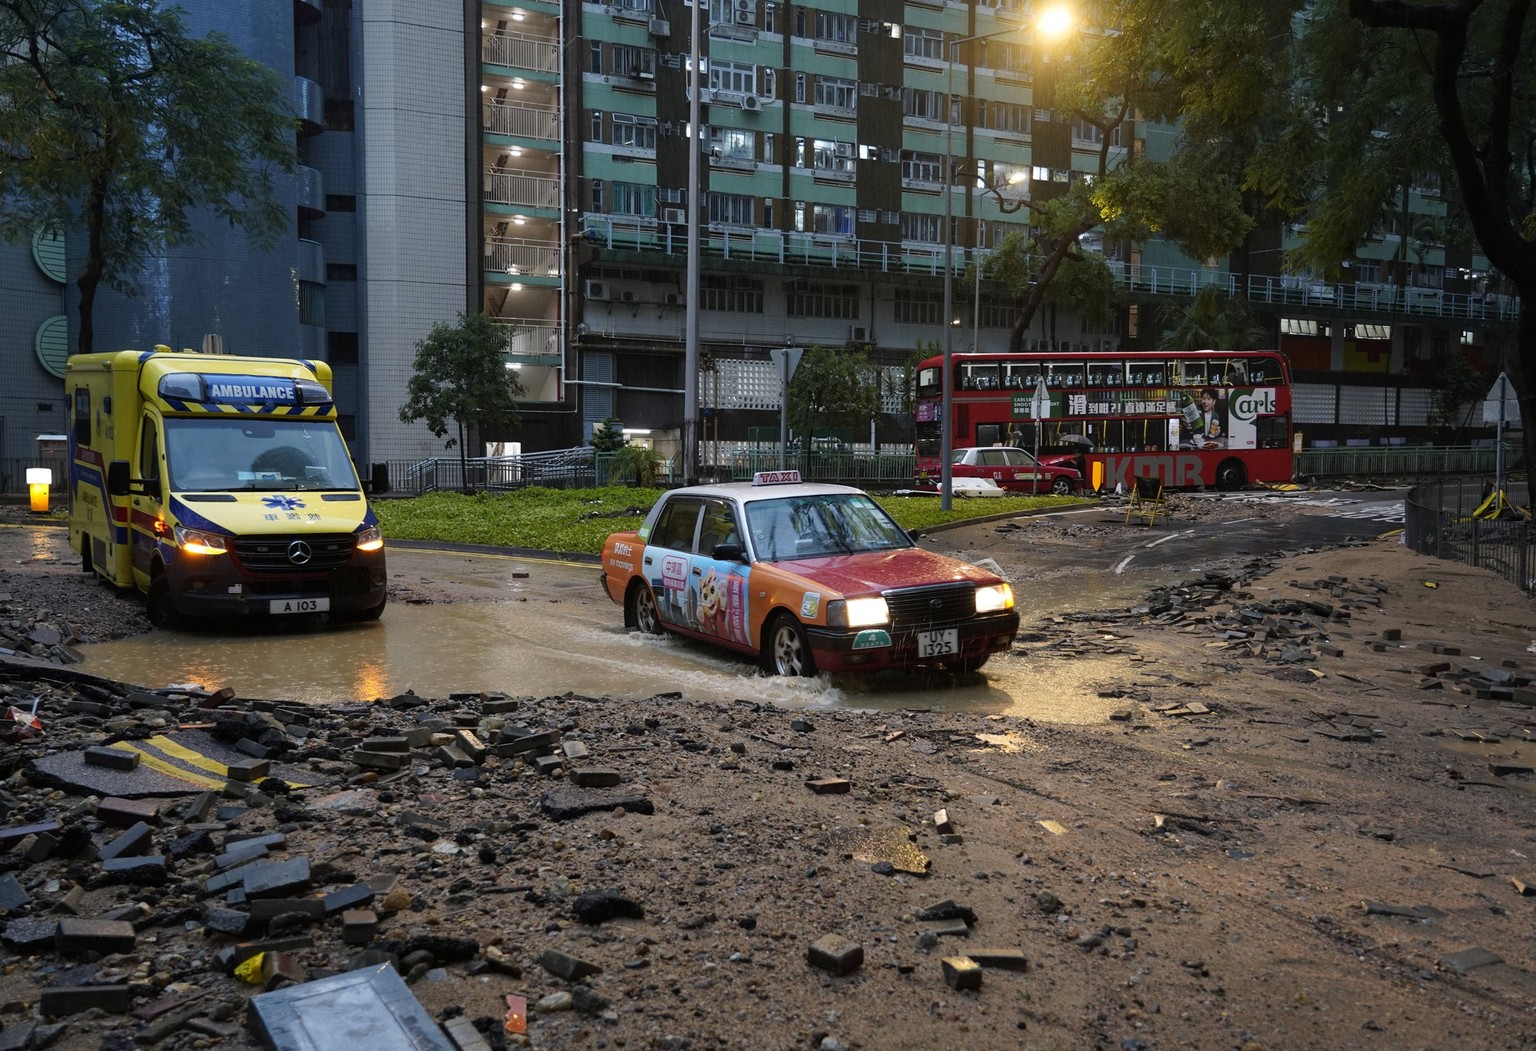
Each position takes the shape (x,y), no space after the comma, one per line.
(537,627)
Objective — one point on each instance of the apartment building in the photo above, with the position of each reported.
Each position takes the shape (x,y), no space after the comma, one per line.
(535,160)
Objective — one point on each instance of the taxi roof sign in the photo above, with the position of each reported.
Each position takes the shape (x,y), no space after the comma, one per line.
(775,477)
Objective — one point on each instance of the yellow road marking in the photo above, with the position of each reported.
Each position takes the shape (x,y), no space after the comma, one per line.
(186,755)
(159,765)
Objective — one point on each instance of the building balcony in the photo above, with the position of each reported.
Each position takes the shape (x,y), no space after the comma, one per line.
(532,341)
(311,191)
(521,188)
(521,257)
(522,121)
(515,51)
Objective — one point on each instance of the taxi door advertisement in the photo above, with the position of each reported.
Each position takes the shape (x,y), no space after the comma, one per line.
(704,595)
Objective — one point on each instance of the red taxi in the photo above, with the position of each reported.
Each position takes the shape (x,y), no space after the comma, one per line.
(805,577)
(1014,470)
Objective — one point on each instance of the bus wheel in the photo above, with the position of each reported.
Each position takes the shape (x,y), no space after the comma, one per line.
(787,651)
(1230,475)
(162,606)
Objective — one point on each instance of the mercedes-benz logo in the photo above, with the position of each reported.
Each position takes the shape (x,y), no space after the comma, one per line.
(935,603)
(299,553)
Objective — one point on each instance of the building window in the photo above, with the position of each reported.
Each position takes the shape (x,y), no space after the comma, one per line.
(733,78)
(837,93)
(837,28)
(1006,117)
(922,43)
(341,348)
(638,133)
(919,308)
(733,295)
(312,303)
(926,105)
(732,142)
(634,61)
(634,199)
(596,134)
(832,219)
(341,271)
(338,115)
(821,299)
(926,229)
(832,156)
(340,202)
(921,167)
(730,209)
(799,87)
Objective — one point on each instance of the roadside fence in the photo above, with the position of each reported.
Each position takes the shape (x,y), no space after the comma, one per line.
(1470,523)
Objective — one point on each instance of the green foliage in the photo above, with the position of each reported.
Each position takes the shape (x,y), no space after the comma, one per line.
(1210,321)
(609,438)
(833,388)
(637,464)
(113,119)
(459,374)
(1457,385)
(577,521)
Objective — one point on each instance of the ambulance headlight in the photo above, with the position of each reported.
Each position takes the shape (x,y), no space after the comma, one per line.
(197,542)
(370,539)
(858,613)
(994,598)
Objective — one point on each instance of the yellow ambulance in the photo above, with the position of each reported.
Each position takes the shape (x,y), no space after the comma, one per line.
(219,486)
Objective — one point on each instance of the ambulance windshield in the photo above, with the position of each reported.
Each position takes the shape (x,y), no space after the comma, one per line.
(232,453)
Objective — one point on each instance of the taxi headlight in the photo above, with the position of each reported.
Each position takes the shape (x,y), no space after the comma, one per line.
(857,612)
(994,598)
(197,542)
(370,539)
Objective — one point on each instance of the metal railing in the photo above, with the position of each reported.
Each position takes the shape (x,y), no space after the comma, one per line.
(523,121)
(643,234)
(529,189)
(1452,520)
(1400,462)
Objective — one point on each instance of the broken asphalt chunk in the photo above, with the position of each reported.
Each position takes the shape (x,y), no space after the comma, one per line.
(564,965)
(835,954)
(569,803)
(599,906)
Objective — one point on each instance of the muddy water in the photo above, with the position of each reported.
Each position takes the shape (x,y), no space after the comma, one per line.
(532,627)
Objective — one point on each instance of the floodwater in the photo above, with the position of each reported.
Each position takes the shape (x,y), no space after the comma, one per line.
(530,627)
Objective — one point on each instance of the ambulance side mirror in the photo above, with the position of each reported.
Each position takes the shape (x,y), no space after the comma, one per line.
(117,478)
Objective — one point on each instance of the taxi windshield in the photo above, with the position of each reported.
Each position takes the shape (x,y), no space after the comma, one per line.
(232,453)
(820,525)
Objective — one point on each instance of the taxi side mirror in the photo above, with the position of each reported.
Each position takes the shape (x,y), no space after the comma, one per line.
(729,553)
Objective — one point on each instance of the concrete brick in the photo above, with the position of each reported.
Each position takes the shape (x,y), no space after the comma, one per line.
(347,898)
(277,879)
(123,813)
(113,758)
(999,959)
(76,935)
(829,786)
(380,760)
(13,895)
(132,842)
(249,770)
(150,870)
(564,965)
(835,954)
(596,777)
(386,744)
(61,1000)
(359,926)
(471,745)
(961,972)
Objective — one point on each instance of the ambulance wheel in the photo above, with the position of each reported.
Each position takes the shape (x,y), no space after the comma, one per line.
(85,555)
(787,651)
(642,614)
(1061,486)
(162,606)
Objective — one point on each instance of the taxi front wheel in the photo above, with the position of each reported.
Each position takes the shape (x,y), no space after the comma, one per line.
(788,651)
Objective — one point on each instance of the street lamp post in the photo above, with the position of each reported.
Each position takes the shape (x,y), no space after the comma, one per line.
(1052,21)
(946,432)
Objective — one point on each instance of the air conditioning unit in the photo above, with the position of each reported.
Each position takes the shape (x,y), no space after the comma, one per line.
(858,334)
(706,95)
(744,16)
(596,290)
(751,103)
(629,297)
(660,27)
(673,299)
(675,216)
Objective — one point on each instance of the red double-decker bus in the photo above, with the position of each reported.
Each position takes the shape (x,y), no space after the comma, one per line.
(1208,418)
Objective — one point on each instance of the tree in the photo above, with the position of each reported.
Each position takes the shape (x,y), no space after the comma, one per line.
(833,388)
(1113,76)
(1339,106)
(1211,321)
(609,438)
(459,374)
(1459,392)
(113,119)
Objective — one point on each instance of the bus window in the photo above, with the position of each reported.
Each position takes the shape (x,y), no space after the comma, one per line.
(1188,373)
(989,434)
(978,376)
(1237,373)
(928,381)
